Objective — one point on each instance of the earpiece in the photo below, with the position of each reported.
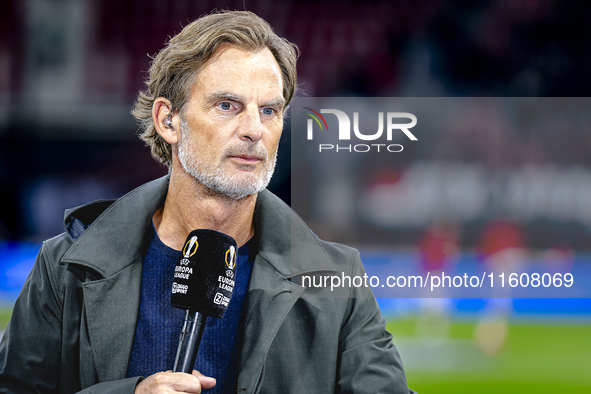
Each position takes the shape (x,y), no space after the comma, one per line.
(168,121)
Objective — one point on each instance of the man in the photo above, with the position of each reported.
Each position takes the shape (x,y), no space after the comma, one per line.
(95,312)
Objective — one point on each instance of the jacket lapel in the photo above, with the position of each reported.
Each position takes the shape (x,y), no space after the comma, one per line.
(112,248)
(270,298)
(111,310)
(286,249)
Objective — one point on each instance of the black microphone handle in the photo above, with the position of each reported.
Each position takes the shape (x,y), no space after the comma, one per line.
(189,341)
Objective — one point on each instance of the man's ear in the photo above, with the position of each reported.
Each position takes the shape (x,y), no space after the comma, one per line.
(166,120)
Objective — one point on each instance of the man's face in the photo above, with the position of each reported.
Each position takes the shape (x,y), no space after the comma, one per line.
(231,125)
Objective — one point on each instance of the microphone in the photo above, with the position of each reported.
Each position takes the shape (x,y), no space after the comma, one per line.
(203,285)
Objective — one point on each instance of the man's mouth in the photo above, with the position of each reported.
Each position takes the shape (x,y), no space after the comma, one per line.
(246,159)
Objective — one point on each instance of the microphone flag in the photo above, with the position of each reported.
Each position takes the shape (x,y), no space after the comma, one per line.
(204,276)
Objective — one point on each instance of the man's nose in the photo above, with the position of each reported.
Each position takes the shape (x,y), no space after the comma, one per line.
(251,126)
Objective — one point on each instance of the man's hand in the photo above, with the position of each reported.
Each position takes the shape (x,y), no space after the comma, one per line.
(170,382)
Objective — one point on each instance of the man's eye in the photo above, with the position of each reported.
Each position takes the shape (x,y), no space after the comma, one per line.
(225,106)
(268,111)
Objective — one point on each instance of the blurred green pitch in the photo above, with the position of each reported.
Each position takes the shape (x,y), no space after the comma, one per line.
(537,357)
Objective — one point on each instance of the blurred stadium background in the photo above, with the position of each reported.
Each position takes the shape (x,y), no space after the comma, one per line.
(70,71)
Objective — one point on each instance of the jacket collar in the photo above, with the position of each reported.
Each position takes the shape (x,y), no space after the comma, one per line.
(113,241)
(285,241)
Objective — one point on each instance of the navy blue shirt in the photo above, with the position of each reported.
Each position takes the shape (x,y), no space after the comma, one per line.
(159,324)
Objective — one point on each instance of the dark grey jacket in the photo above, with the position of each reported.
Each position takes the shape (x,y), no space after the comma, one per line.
(74,322)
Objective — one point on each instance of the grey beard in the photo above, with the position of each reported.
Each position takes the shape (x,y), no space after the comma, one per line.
(220,183)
